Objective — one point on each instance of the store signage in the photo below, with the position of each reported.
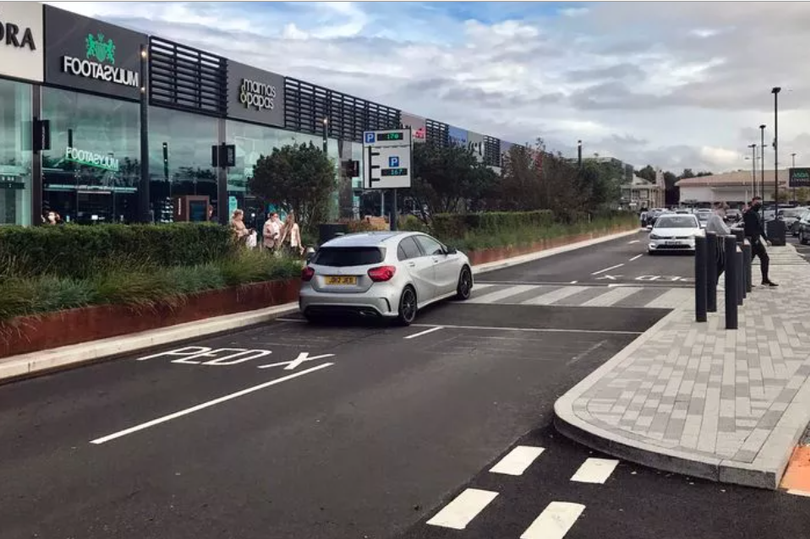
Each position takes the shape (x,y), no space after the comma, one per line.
(475,143)
(255,95)
(21,54)
(90,55)
(99,63)
(799,177)
(91,159)
(458,136)
(417,125)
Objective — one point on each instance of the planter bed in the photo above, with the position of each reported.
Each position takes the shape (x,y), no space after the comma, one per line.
(42,332)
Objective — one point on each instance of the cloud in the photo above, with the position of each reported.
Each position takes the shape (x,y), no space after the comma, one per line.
(645,82)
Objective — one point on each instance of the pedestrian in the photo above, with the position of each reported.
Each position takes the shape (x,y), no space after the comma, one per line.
(238,226)
(271,232)
(717,224)
(755,233)
(292,234)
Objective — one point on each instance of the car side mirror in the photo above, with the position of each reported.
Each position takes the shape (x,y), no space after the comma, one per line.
(450,251)
(310,254)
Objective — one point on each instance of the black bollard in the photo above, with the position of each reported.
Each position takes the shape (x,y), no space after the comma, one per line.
(730,244)
(740,283)
(748,257)
(701,267)
(711,272)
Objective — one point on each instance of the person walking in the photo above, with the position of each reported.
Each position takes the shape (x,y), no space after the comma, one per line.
(755,233)
(717,224)
(271,232)
(292,234)
(238,225)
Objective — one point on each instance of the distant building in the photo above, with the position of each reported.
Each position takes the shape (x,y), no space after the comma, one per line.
(639,194)
(734,188)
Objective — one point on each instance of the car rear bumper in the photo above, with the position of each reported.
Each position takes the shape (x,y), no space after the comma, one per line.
(681,245)
(381,301)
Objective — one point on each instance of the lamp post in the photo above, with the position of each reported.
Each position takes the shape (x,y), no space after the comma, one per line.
(762,164)
(325,135)
(775,91)
(579,153)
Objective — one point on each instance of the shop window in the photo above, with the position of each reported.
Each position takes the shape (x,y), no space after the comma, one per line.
(15,153)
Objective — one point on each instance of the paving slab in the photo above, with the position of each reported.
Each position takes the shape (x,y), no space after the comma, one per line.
(697,399)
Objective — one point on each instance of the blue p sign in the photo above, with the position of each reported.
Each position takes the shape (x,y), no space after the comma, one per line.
(369,137)
(393,161)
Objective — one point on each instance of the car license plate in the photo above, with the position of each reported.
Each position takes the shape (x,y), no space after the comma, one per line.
(341,280)
(675,242)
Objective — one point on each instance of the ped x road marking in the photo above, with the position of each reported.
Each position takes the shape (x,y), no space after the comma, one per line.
(302,357)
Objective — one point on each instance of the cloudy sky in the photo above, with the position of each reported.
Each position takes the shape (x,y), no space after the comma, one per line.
(672,84)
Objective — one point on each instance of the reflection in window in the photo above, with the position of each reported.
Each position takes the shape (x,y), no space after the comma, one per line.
(253,141)
(15,153)
(185,141)
(92,171)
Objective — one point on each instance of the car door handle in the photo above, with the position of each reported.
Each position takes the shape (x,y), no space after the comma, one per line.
(411,264)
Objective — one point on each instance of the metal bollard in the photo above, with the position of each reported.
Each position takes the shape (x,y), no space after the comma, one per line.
(740,284)
(711,272)
(701,267)
(743,275)
(730,244)
(748,257)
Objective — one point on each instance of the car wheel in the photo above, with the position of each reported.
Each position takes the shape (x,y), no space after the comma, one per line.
(407,307)
(650,252)
(465,283)
(313,318)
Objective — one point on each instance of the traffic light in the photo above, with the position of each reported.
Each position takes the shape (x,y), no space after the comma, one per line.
(352,169)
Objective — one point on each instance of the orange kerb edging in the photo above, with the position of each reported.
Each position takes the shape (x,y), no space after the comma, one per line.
(797,475)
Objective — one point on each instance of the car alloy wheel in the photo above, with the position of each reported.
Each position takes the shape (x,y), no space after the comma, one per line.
(407,307)
(464,289)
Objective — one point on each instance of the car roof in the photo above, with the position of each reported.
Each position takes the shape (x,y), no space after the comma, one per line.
(368,239)
(671,216)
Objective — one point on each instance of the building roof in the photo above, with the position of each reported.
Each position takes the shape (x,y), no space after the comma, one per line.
(639,182)
(733,179)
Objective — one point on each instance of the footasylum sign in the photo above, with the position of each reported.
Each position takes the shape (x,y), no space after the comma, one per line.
(91,55)
(91,159)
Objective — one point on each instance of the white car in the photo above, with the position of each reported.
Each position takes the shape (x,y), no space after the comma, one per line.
(382,274)
(674,232)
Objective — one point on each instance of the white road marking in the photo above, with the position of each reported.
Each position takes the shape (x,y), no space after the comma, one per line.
(501,294)
(302,357)
(481,286)
(465,507)
(671,298)
(636,257)
(415,335)
(555,295)
(799,492)
(595,471)
(555,521)
(574,282)
(612,296)
(632,242)
(535,330)
(197,408)
(607,269)
(518,460)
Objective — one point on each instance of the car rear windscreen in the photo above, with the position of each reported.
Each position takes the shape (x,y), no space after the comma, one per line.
(349,256)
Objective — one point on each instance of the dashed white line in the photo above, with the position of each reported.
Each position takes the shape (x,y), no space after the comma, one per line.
(595,471)
(573,282)
(518,460)
(465,507)
(431,330)
(634,241)
(555,521)
(199,407)
(607,269)
(636,257)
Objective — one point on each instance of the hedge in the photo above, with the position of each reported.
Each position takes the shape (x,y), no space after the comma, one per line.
(458,225)
(80,251)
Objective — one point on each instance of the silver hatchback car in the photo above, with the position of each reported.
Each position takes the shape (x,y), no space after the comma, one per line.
(382,274)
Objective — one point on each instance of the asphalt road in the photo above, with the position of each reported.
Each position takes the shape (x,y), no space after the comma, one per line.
(291,430)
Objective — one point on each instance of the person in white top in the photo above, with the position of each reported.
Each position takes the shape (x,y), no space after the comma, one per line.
(717,224)
(271,232)
(292,233)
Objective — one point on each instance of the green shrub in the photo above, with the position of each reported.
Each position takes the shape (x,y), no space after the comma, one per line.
(414,224)
(17,297)
(77,250)
(194,279)
(251,266)
(135,287)
(458,225)
(58,293)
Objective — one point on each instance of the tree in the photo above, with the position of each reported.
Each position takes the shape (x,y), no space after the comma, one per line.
(672,194)
(647,173)
(299,178)
(802,195)
(448,179)
(784,196)
(687,173)
(703,173)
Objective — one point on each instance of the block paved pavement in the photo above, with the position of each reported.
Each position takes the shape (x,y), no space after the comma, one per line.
(727,405)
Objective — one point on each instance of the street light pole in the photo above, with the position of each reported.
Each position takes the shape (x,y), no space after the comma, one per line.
(793,165)
(762,164)
(579,153)
(775,91)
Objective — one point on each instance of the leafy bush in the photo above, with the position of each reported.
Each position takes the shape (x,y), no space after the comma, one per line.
(413,224)
(77,251)
(458,225)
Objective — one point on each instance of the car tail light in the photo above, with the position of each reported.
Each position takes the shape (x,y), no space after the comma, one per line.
(307,273)
(381,274)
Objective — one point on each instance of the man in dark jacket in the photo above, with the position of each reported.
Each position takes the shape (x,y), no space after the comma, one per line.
(755,233)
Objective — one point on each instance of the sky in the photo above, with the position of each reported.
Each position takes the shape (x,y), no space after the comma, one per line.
(676,85)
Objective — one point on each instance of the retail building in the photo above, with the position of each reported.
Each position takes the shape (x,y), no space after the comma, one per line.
(103,124)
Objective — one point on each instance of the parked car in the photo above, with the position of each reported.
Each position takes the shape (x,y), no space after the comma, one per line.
(733,215)
(382,275)
(791,218)
(703,217)
(804,228)
(674,232)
